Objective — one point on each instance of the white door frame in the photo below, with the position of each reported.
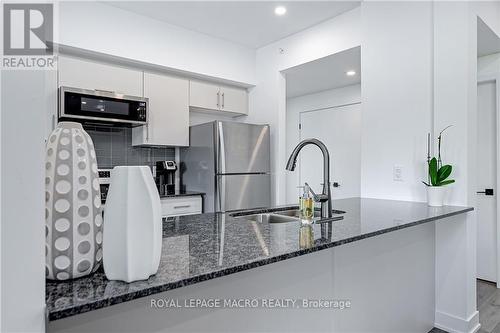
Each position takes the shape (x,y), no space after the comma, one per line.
(495,78)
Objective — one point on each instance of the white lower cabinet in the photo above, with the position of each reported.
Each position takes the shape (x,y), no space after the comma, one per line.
(168,123)
(178,206)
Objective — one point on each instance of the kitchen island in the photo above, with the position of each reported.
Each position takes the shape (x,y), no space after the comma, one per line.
(380,259)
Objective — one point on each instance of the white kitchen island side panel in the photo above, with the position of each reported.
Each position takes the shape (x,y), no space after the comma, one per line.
(389,280)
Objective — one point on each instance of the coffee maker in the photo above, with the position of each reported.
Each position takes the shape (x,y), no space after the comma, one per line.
(165,177)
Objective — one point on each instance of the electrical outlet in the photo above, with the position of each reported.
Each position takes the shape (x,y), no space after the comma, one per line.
(397,173)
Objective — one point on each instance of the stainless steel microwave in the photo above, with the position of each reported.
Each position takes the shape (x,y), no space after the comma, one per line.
(100,106)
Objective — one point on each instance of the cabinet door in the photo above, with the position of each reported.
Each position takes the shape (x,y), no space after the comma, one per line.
(204,95)
(77,73)
(168,123)
(234,100)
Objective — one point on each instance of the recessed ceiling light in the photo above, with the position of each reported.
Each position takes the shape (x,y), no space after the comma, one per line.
(350,73)
(280,10)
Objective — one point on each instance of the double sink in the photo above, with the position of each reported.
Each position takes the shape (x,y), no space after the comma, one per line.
(284,215)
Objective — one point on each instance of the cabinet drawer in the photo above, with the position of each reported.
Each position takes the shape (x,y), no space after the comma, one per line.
(178,206)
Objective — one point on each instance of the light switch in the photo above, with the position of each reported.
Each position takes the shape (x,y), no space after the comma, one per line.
(397,173)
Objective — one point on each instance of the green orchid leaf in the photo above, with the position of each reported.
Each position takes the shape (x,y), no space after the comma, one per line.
(446,182)
(433,170)
(444,172)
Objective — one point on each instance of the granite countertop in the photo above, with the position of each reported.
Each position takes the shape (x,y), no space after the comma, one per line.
(182,194)
(202,247)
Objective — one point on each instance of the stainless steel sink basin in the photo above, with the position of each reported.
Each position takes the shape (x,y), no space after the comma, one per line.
(270,218)
(280,215)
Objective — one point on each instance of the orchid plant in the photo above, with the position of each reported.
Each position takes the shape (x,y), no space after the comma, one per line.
(438,173)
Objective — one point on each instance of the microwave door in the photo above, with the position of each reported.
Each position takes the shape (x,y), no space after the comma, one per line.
(90,105)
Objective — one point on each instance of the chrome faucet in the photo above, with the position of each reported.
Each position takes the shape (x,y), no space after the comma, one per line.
(325,198)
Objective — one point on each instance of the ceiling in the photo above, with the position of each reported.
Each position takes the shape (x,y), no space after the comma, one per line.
(248,23)
(325,73)
(487,41)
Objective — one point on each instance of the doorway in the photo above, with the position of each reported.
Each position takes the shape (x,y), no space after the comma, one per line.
(487,145)
(323,101)
(339,128)
(487,180)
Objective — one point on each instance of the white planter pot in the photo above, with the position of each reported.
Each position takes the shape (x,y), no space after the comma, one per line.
(73,219)
(435,195)
(133,225)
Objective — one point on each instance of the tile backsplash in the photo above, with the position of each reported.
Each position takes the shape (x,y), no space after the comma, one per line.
(113,146)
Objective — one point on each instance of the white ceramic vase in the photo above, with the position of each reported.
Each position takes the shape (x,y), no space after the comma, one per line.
(73,212)
(133,232)
(435,195)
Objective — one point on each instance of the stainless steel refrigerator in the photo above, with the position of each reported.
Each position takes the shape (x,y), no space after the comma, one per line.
(230,162)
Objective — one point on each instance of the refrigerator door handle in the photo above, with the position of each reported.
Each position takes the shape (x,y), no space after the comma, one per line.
(222,150)
(217,202)
(222,193)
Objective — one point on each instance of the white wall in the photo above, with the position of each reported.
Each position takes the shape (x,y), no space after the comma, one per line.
(296,105)
(105,29)
(489,12)
(454,76)
(23,113)
(489,64)
(268,99)
(396,62)
(455,102)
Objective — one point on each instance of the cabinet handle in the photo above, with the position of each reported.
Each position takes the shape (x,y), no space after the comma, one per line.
(218,99)
(105,91)
(183,206)
(147,131)
(223,100)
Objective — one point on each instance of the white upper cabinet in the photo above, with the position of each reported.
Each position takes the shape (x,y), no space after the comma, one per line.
(170,97)
(234,100)
(92,75)
(214,97)
(204,95)
(168,123)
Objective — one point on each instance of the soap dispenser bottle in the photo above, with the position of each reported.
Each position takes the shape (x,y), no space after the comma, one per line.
(306,204)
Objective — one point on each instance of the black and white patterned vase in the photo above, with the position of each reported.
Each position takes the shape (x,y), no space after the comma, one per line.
(73,212)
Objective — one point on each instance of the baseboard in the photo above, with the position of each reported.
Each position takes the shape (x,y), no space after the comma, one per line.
(454,324)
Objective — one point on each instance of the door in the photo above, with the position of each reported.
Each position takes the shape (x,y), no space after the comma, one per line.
(204,95)
(339,128)
(236,192)
(168,123)
(243,148)
(486,178)
(234,100)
